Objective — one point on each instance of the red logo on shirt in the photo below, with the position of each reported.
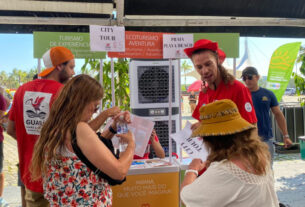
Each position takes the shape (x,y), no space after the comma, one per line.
(36,105)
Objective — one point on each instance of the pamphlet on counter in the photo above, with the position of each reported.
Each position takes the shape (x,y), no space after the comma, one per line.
(149,163)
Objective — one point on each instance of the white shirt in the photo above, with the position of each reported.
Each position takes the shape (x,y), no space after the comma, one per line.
(225,184)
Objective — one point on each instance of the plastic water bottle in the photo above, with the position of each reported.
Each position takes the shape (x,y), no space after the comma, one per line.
(122,128)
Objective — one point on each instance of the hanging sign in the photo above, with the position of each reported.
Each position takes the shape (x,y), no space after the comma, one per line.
(141,45)
(228,42)
(77,42)
(280,68)
(174,44)
(106,38)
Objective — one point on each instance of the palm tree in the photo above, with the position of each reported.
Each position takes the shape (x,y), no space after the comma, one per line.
(3,78)
(186,67)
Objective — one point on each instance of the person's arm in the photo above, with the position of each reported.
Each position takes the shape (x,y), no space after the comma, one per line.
(7,102)
(1,116)
(195,125)
(96,123)
(100,156)
(281,122)
(156,145)
(190,177)
(112,130)
(3,106)
(11,125)
(11,129)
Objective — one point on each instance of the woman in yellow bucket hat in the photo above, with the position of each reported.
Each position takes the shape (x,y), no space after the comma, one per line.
(238,171)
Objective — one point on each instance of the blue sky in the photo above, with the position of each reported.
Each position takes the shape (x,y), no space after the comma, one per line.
(17,52)
(261,49)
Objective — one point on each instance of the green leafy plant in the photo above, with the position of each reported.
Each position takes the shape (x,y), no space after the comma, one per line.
(121,81)
(186,68)
(16,77)
(299,78)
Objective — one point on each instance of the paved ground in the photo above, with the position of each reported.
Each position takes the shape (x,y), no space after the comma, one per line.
(11,191)
(289,172)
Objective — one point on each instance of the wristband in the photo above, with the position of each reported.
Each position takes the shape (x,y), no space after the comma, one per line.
(112,130)
(193,171)
(286,136)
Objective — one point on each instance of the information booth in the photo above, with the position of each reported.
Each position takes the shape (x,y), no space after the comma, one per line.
(149,183)
(156,182)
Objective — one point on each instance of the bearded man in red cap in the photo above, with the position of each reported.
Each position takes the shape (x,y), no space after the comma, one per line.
(218,84)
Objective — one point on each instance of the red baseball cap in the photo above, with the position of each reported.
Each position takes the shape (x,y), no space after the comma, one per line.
(206,44)
(53,57)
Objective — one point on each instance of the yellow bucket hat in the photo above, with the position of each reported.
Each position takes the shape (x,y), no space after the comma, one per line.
(220,118)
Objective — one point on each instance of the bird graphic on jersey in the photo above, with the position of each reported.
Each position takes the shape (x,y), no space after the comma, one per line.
(36,104)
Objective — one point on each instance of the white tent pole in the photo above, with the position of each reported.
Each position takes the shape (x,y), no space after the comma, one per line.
(101,79)
(38,66)
(179,149)
(112,82)
(234,67)
(170,98)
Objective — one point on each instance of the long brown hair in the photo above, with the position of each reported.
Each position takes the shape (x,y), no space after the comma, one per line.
(246,145)
(226,77)
(65,113)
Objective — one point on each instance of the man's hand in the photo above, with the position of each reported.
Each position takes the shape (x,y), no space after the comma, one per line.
(287,142)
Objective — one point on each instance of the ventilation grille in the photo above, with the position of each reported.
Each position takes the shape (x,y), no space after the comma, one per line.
(153,84)
(161,128)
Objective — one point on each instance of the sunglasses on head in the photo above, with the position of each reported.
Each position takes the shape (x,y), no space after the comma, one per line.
(249,77)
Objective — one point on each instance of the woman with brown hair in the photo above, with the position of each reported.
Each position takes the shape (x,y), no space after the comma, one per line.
(238,171)
(69,149)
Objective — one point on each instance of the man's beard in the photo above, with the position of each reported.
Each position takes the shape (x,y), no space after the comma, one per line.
(63,76)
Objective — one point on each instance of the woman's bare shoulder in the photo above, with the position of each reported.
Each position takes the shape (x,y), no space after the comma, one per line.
(82,124)
(83,129)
